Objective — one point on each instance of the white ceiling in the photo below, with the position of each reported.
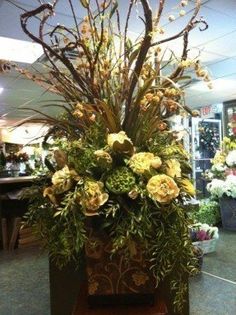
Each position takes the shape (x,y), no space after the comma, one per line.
(217,46)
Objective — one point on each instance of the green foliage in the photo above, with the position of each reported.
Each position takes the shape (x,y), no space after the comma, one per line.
(164,145)
(63,235)
(209,212)
(172,236)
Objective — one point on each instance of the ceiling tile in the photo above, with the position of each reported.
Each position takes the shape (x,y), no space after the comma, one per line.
(227,8)
(225,45)
(223,68)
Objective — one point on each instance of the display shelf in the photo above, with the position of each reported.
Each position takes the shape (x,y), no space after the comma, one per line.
(206,135)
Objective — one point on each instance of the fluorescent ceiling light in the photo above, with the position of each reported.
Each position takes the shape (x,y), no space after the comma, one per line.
(19,50)
(1,90)
(218,84)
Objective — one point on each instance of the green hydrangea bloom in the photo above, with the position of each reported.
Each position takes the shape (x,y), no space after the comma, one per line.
(121,180)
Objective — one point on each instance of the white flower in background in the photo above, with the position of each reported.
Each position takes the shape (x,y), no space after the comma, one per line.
(209,175)
(219,187)
(218,168)
(205,227)
(215,232)
(231,158)
(230,183)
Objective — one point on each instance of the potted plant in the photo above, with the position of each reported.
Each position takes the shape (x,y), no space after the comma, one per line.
(225,190)
(204,236)
(208,212)
(121,176)
(223,182)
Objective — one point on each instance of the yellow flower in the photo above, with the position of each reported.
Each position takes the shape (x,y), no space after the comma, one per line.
(120,142)
(63,179)
(226,140)
(162,188)
(219,158)
(92,197)
(187,186)
(173,168)
(142,162)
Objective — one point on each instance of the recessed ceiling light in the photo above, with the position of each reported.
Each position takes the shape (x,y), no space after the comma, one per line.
(1,90)
(19,50)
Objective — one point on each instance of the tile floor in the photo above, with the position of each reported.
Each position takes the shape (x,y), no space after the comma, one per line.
(24,283)
(213,292)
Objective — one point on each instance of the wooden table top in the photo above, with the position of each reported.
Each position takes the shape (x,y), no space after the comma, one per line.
(18,179)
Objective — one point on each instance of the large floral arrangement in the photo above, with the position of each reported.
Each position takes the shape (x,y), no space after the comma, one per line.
(222,174)
(117,159)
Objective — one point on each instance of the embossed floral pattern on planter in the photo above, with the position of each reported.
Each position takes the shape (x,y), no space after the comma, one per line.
(116,273)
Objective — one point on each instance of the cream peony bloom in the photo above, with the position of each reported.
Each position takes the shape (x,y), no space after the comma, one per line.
(63,179)
(120,142)
(142,162)
(92,198)
(121,137)
(162,188)
(173,168)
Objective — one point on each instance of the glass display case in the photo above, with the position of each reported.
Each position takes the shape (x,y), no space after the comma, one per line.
(205,141)
(230,118)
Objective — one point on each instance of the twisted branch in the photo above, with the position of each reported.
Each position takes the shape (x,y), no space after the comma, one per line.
(47,49)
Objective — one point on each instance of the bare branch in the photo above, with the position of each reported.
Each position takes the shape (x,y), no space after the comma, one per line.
(24,18)
(191,24)
(159,12)
(145,45)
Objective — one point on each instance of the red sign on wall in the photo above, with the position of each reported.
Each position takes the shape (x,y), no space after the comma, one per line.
(207,112)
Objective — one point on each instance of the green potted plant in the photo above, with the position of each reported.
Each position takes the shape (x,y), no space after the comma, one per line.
(222,183)
(208,212)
